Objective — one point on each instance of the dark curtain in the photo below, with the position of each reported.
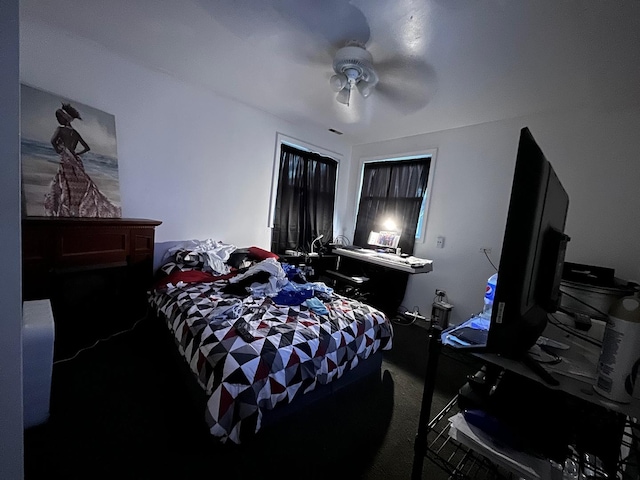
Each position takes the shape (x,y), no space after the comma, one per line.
(392,189)
(305,200)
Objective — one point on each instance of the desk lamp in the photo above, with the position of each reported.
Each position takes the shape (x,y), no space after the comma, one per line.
(312,253)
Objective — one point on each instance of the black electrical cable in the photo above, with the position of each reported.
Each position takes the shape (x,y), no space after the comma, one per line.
(441,298)
(342,240)
(572,331)
(396,320)
(484,250)
(100,340)
(583,303)
(557,323)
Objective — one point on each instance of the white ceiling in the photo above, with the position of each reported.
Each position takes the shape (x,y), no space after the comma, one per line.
(442,63)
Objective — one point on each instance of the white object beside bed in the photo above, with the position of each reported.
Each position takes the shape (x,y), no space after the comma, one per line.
(37,357)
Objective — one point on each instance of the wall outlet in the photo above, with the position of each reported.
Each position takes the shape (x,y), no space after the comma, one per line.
(440,242)
(486,250)
(440,293)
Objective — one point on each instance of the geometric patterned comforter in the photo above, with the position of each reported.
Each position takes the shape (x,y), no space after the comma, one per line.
(269,354)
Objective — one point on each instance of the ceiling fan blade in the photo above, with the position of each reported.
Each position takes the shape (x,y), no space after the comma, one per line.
(332,22)
(407,83)
(238,16)
(404,100)
(337,21)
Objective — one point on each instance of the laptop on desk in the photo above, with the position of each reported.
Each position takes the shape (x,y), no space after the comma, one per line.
(470,335)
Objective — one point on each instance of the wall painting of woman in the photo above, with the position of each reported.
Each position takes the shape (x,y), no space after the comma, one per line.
(69,158)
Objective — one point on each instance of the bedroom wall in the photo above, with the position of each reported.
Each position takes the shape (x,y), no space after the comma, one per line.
(595,154)
(11,434)
(200,163)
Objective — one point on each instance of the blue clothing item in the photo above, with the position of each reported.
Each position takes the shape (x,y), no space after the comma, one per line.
(226,309)
(316,306)
(320,287)
(325,297)
(292,297)
(296,293)
(293,273)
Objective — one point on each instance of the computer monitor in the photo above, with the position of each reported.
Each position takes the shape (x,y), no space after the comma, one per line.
(532,257)
(384,239)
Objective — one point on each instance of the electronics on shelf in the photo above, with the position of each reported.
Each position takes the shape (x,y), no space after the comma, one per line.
(384,239)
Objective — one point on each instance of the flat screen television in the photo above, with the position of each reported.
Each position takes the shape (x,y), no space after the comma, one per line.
(532,257)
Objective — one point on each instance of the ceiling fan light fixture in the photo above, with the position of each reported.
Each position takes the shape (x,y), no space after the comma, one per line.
(352,74)
(352,56)
(354,64)
(338,82)
(344,95)
(365,88)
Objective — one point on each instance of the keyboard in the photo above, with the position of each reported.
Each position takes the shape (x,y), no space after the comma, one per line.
(410,260)
(392,257)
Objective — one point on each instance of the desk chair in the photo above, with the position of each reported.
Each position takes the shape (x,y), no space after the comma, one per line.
(352,287)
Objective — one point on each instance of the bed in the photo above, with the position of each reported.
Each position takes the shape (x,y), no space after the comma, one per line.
(257,335)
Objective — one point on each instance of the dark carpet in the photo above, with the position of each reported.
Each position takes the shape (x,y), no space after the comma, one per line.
(122,410)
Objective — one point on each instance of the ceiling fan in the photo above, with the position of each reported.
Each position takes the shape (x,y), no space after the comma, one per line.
(338,31)
(353,67)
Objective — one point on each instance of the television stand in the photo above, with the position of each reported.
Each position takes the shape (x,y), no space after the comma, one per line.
(603,427)
(527,360)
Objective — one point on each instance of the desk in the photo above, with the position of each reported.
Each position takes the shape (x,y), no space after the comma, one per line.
(576,372)
(386,278)
(604,419)
(369,256)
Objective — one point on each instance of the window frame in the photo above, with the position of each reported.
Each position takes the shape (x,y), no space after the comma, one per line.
(421,227)
(275,172)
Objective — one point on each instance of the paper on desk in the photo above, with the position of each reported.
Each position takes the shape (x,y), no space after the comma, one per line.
(581,364)
(570,368)
(416,262)
(580,368)
(522,464)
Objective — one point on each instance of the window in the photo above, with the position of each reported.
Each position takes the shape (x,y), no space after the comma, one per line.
(393,197)
(305,198)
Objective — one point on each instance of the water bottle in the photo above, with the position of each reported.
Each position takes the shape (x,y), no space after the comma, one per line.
(489,293)
(619,360)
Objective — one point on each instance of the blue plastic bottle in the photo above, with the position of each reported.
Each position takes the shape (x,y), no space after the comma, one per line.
(489,294)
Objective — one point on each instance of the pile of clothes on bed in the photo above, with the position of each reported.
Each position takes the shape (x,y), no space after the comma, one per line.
(255,332)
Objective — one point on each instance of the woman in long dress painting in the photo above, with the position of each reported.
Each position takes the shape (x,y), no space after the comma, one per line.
(73,193)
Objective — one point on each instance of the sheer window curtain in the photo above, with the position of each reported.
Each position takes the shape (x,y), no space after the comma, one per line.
(305,200)
(392,190)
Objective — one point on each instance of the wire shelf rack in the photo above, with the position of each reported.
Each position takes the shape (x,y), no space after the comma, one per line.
(457,460)
(462,463)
